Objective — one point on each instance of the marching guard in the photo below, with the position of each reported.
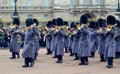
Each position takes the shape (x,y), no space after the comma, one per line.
(36,37)
(60,34)
(84,49)
(28,49)
(48,37)
(101,38)
(14,45)
(66,25)
(110,41)
(93,38)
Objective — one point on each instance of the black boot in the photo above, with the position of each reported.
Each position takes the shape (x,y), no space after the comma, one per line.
(48,52)
(35,56)
(86,61)
(117,55)
(71,54)
(66,50)
(58,57)
(18,55)
(102,59)
(82,61)
(51,52)
(110,62)
(92,54)
(31,61)
(61,59)
(76,57)
(13,56)
(26,63)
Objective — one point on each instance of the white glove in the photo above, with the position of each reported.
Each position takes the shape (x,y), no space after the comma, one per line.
(31,26)
(18,31)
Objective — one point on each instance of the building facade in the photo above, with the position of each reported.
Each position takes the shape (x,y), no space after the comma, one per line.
(69,10)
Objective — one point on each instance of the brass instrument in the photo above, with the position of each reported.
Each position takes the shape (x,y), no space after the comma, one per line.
(78,26)
(57,28)
(109,27)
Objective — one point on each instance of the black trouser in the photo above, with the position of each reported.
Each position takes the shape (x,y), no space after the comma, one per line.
(117,54)
(60,58)
(14,54)
(28,60)
(84,60)
(49,51)
(71,54)
(66,49)
(110,61)
(102,57)
(76,56)
(36,54)
(92,54)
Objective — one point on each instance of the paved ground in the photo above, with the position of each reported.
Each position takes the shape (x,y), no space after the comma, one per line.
(46,65)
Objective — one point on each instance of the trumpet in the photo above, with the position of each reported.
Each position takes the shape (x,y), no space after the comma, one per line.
(109,27)
(78,26)
(57,28)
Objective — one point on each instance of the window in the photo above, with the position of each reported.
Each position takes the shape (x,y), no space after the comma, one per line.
(5,2)
(98,1)
(86,2)
(45,2)
(73,2)
(29,2)
(12,3)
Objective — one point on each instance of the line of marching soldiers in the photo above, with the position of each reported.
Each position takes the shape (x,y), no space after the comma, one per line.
(84,38)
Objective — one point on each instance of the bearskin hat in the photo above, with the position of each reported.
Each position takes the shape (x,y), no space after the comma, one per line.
(54,22)
(16,21)
(60,22)
(92,24)
(111,20)
(73,25)
(29,22)
(83,19)
(36,21)
(66,23)
(49,24)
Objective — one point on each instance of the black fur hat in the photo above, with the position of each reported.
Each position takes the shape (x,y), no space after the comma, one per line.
(16,21)
(83,19)
(73,25)
(66,23)
(36,22)
(100,22)
(29,22)
(111,20)
(92,24)
(54,22)
(60,22)
(49,24)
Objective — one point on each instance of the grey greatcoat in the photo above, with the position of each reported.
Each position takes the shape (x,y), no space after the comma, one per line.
(110,44)
(75,43)
(117,39)
(48,39)
(60,42)
(53,41)
(93,40)
(14,45)
(102,42)
(36,40)
(28,49)
(84,49)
